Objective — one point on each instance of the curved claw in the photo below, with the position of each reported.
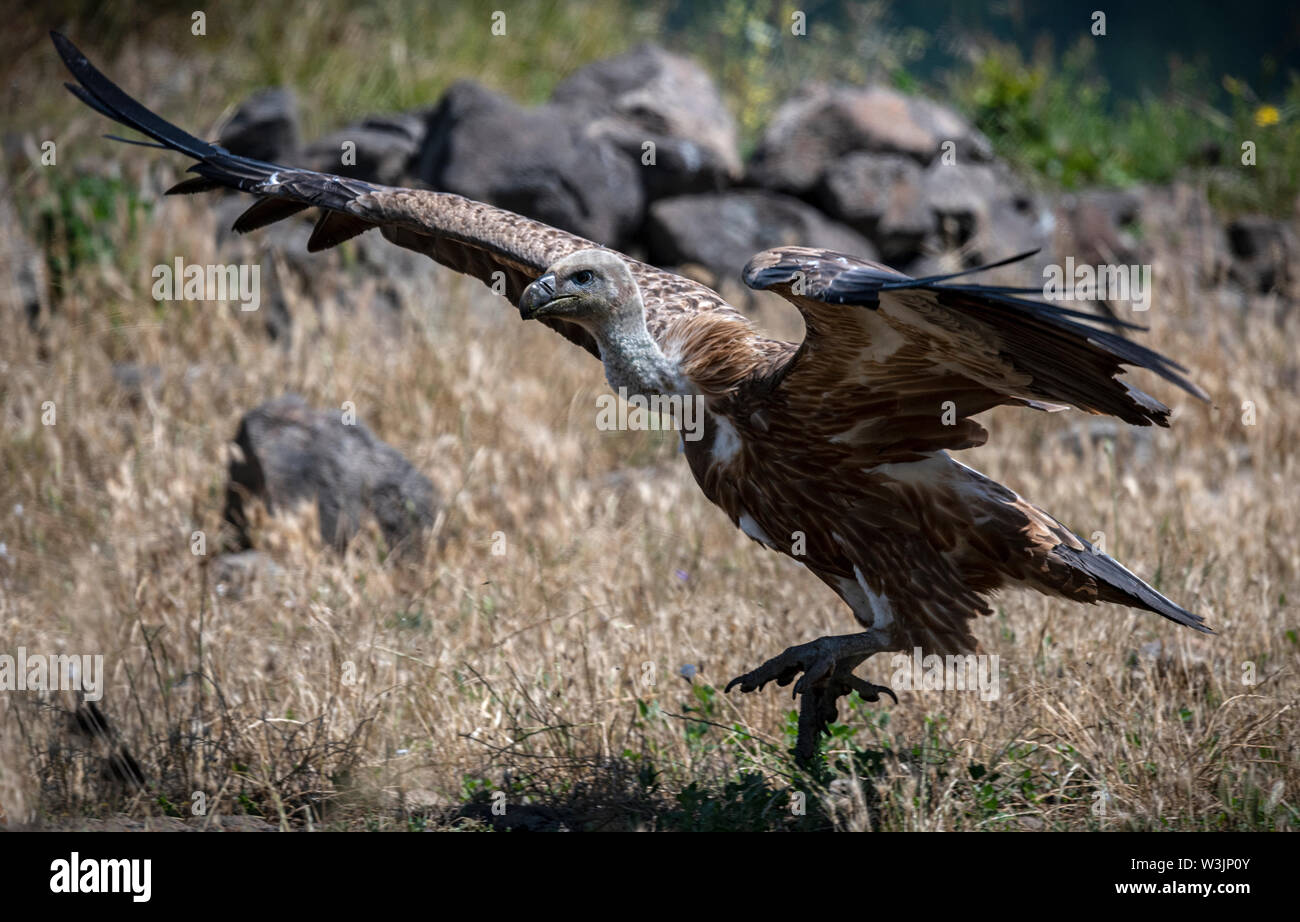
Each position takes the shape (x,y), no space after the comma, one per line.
(867,691)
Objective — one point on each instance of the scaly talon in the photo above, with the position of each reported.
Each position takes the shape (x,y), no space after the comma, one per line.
(827,665)
(867,691)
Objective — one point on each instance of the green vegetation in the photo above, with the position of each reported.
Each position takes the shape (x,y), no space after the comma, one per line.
(75,221)
(1055,118)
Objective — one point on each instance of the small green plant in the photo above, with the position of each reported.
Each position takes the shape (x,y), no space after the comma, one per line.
(86,220)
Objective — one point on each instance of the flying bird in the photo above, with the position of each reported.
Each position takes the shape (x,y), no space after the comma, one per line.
(834,451)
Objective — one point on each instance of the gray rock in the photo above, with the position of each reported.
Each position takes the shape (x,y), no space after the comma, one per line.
(823,123)
(292,454)
(539,162)
(986,212)
(345,276)
(652,95)
(280,250)
(264,127)
(137,381)
(882,197)
(245,574)
(722,231)
(1095,227)
(1262,251)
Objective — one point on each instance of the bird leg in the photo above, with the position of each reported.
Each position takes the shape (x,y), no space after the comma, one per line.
(827,664)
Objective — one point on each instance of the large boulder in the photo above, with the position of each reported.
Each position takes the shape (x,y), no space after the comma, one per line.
(722,231)
(822,123)
(539,162)
(290,453)
(983,210)
(881,196)
(652,95)
(382,147)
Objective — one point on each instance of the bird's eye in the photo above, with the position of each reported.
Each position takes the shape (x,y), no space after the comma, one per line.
(583,277)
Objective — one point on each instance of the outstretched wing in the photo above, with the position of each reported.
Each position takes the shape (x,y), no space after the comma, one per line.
(898,365)
(502,249)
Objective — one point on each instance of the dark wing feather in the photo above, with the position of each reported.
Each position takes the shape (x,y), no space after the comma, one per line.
(264,211)
(885,348)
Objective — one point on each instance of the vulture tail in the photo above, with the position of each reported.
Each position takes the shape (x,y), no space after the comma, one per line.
(1117,584)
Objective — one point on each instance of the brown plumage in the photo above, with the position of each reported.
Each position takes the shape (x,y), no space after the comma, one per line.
(834,451)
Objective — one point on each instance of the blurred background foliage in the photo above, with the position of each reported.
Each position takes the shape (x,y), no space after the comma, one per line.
(1161,92)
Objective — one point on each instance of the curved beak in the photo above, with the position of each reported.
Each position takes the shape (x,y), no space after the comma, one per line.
(536,296)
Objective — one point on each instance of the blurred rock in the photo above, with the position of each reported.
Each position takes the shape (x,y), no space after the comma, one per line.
(984,210)
(649,94)
(722,231)
(265,127)
(1133,444)
(245,574)
(1095,227)
(882,197)
(292,454)
(1183,667)
(137,381)
(367,270)
(385,152)
(539,162)
(823,123)
(1262,249)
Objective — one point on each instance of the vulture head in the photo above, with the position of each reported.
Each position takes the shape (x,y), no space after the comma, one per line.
(593,288)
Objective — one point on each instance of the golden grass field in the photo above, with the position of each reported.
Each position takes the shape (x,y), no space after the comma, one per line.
(550,673)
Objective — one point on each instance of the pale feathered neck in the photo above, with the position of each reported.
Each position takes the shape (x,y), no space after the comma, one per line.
(634,361)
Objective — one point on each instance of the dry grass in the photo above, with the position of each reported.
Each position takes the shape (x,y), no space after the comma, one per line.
(549,673)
